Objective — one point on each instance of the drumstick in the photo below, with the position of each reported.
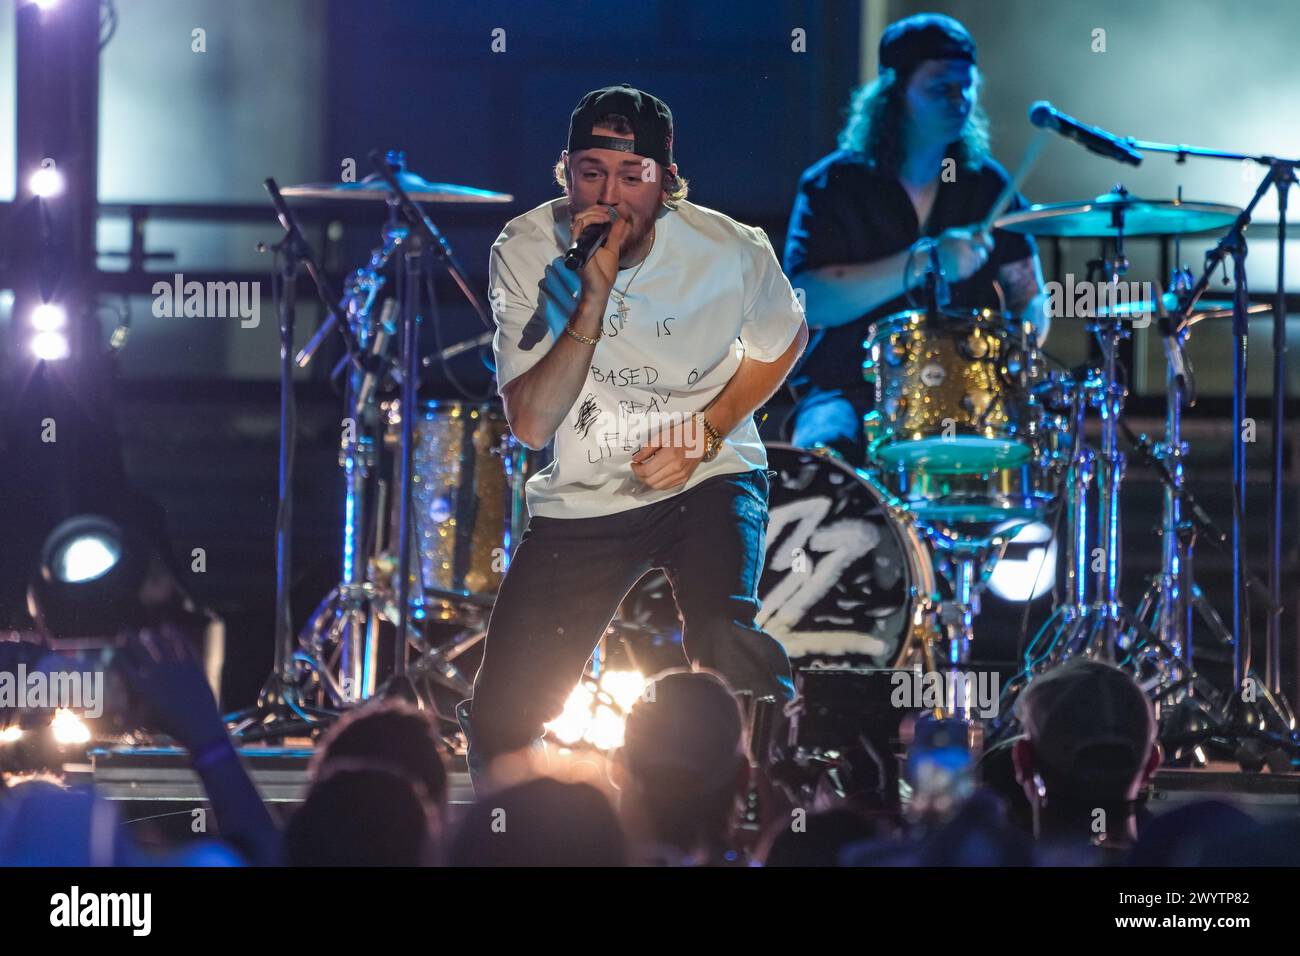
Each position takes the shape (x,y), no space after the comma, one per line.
(1026,166)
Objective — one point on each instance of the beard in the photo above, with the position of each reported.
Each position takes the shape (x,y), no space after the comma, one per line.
(638,230)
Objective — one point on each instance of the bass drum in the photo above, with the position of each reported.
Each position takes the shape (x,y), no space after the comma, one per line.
(846,580)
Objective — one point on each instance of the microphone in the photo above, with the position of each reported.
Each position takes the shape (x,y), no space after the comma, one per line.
(1091,138)
(588,241)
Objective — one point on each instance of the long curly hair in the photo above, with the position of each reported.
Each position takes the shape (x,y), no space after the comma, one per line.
(874,125)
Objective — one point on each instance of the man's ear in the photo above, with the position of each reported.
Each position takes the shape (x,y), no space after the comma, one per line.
(1022,758)
(1154,760)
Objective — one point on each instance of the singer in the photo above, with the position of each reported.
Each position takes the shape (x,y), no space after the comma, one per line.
(643,368)
(913,162)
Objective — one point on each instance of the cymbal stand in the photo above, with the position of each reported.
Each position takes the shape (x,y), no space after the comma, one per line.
(423,240)
(1104,627)
(347,620)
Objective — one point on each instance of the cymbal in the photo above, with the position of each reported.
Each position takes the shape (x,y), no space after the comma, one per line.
(1102,217)
(1205,309)
(417,187)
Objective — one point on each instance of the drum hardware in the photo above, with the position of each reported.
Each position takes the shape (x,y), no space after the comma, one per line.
(966,561)
(336,661)
(438,663)
(1099,627)
(423,240)
(1236,718)
(1172,217)
(1157,644)
(1174,596)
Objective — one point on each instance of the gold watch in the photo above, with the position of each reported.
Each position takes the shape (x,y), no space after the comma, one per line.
(712,439)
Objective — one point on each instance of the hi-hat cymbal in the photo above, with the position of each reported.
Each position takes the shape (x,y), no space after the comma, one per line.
(1106,215)
(417,187)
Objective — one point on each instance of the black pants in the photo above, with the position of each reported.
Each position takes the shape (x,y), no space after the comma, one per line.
(568,577)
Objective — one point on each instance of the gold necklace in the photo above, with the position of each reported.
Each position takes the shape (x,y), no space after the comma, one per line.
(622,305)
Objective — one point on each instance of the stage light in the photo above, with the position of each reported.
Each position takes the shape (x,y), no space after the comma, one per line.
(68,728)
(46,181)
(1028,568)
(596,711)
(11,734)
(89,580)
(85,559)
(46,4)
(50,346)
(49,317)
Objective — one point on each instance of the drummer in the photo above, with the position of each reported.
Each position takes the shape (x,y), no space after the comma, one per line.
(913,162)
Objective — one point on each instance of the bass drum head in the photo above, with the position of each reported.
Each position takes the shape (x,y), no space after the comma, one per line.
(842,576)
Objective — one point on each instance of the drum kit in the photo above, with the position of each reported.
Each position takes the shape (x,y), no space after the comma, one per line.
(976,433)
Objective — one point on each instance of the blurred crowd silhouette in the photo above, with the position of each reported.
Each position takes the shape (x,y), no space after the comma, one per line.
(681,791)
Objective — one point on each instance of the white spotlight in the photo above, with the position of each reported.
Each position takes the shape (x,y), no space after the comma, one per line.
(1028,569)
(48,317)
(86,558)
(46,181)
(50,346)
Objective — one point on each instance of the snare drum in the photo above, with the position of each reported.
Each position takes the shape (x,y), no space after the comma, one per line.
(951,396)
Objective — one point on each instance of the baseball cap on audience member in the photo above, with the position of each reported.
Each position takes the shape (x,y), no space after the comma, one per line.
(1090,725)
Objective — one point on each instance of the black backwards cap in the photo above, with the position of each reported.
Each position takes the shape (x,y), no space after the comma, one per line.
(926,36)
(649,117)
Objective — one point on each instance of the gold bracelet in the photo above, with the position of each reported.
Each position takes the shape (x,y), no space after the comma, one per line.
(580,337)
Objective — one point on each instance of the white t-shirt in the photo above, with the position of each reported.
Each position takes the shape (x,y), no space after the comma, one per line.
(710,292)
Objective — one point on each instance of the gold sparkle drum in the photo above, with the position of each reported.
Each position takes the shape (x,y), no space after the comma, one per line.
(956,432)
(468,494)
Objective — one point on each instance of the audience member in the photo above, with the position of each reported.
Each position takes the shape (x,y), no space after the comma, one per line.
(542,822)
(681,769)
(362,813)
(1089,747)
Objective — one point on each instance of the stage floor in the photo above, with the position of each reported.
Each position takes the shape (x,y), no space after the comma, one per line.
(156,782)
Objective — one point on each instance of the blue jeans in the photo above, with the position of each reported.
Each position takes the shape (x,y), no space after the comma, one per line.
(568,577)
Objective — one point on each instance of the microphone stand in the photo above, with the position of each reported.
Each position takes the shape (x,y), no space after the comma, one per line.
(1240,717)
(279,710)
(1281,175)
